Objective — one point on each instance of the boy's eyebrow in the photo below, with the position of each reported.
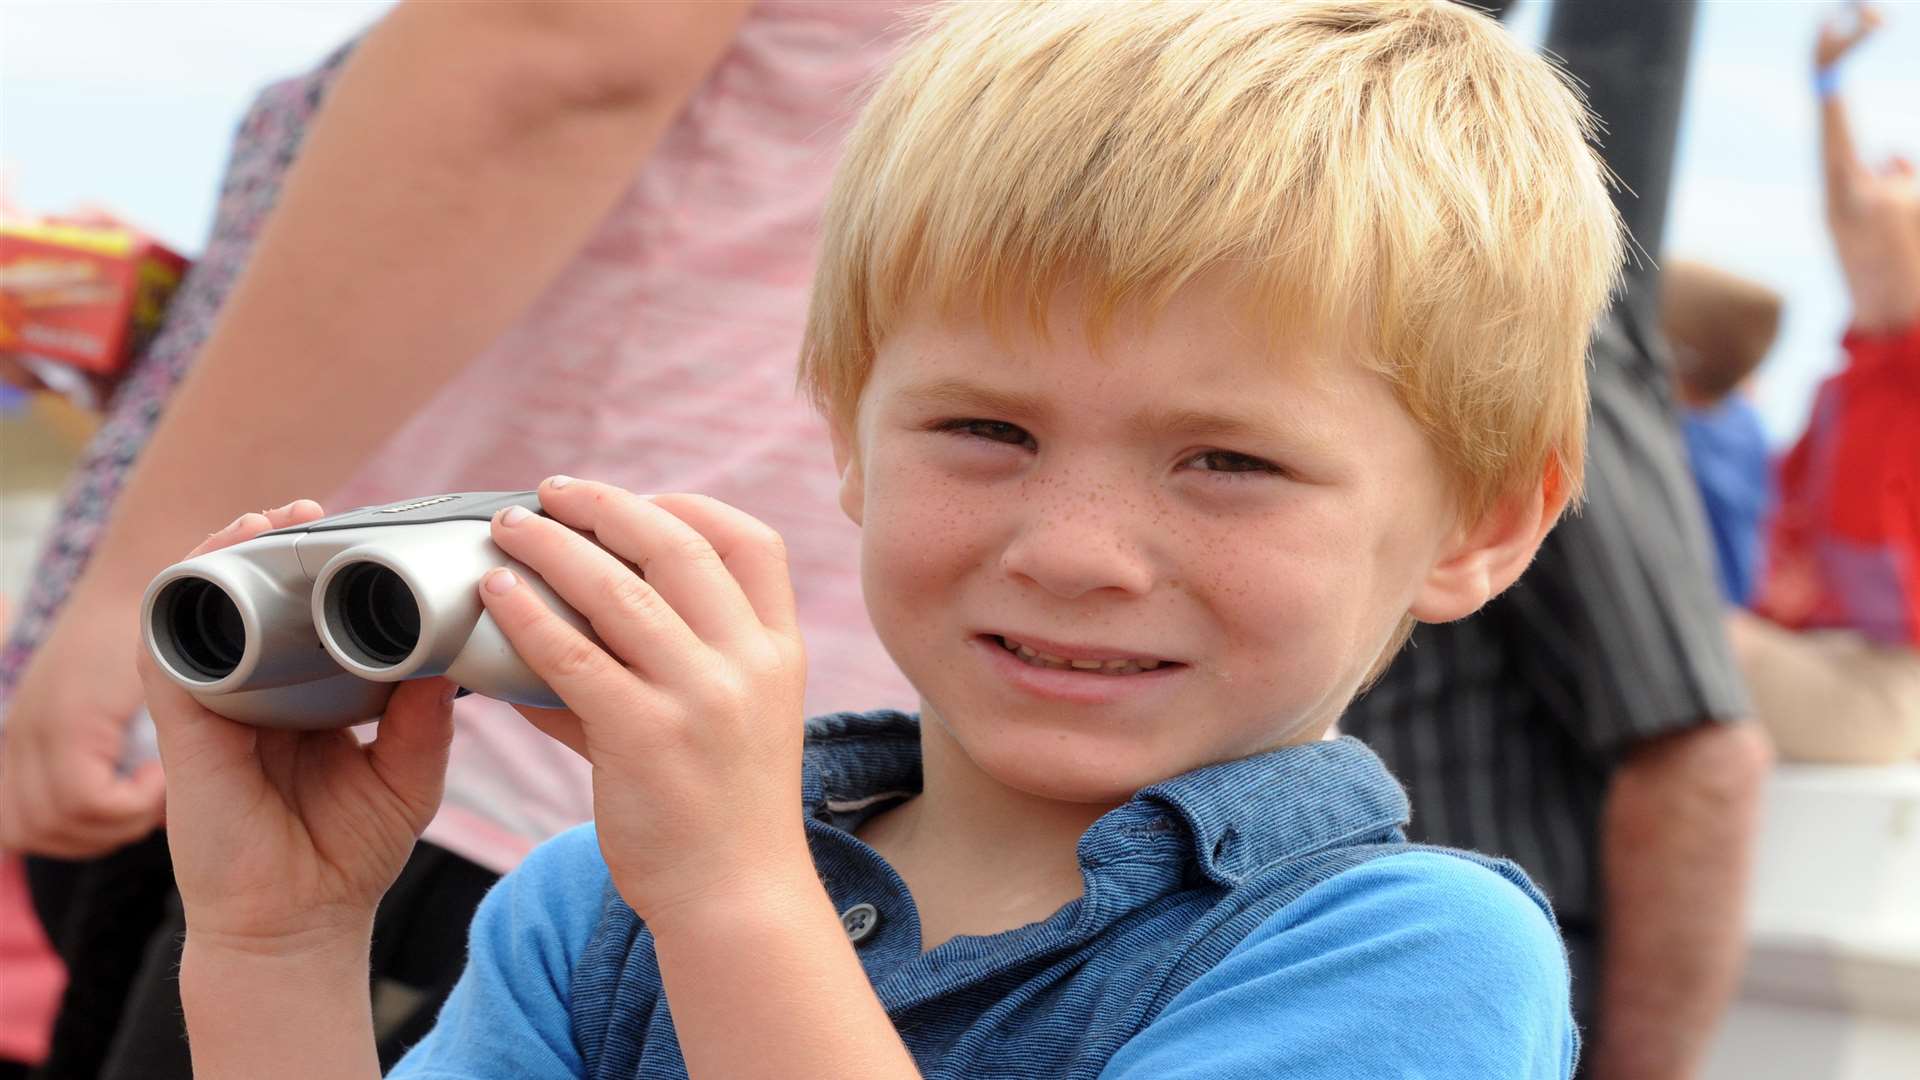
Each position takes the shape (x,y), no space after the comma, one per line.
(1252,424)
(960,394)
(1228,425)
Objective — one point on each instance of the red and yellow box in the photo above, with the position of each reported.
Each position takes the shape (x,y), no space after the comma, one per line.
(82,294)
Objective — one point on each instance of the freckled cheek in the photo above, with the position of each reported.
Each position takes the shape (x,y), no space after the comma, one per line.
(922,527)
(1280,626)
(1283,608)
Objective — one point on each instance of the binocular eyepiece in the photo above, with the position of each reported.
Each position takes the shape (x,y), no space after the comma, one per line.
(311,626)
(203,627)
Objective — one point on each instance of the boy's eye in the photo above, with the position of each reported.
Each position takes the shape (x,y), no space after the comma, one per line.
(992,430)
(1226,461)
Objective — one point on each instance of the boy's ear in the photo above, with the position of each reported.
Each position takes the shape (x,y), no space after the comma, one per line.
(846,462)
(1487,556)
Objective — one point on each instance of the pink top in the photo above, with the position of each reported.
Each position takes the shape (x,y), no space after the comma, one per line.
(662,359)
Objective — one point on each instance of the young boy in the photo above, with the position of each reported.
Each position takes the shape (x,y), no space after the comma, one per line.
(1178,356)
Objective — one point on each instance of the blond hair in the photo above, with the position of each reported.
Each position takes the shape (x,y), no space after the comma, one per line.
(1403,168)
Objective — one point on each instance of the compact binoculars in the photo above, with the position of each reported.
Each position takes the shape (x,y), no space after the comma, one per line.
(311,626)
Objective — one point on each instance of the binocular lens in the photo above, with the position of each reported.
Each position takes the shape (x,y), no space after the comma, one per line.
(378,612)
(205,627)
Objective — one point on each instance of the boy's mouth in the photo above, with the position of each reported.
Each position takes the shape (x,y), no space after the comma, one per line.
(1118,665)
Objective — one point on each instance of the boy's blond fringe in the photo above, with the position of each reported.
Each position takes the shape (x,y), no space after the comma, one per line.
(1400,168)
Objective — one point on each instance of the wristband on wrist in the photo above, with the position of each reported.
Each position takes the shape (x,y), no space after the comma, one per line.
(1826,81)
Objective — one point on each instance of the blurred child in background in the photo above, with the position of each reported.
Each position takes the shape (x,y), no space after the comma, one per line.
(1843,566)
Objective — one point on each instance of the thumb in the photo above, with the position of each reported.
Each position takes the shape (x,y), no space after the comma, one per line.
(409,748)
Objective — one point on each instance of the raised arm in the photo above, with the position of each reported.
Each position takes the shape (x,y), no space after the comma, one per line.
(465,154)
(1841,169)
(1874,215)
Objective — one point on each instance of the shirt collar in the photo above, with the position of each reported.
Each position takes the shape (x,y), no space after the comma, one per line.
(1229,819)
(855,763)
(1240,816)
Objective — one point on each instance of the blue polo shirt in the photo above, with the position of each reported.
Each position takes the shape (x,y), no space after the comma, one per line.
(1262,917)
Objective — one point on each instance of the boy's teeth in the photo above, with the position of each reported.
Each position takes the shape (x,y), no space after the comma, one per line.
(1108,667)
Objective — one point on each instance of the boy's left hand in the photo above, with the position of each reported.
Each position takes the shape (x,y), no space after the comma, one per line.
(692,712)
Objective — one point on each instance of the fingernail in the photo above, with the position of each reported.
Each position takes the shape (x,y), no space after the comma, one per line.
(499,581)
(514,515)
(559,481)
(449,692)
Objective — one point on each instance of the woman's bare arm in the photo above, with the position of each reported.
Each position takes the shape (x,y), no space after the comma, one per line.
(465,153)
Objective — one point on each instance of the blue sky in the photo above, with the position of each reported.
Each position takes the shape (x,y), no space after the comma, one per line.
(131,105)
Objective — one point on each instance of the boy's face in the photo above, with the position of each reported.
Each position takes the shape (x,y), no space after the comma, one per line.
(1204,543)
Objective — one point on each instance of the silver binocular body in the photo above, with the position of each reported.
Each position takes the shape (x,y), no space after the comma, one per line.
(312,626)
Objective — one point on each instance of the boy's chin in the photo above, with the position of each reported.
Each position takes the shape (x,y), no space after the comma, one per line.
(1100,771)
(1040,780)
(1073,770)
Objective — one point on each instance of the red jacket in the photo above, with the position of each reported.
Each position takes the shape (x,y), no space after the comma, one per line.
(1845,547)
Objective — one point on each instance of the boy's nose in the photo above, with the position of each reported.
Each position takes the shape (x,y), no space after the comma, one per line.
(1071,553)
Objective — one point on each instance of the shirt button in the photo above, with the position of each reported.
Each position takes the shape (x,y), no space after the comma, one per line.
(860,921)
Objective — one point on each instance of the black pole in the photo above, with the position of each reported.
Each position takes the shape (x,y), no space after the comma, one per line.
(1632,57)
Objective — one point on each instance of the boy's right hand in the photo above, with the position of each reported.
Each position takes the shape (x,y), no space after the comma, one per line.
(286,840)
